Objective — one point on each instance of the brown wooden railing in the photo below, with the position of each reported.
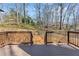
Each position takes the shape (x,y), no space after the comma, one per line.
(73,38)
(46,35)
(13,37)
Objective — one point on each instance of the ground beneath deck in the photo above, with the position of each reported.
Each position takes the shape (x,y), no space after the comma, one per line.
(38,50)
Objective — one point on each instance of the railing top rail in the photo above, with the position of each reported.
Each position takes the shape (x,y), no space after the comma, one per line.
(49,31)
(16,32)
(73,32)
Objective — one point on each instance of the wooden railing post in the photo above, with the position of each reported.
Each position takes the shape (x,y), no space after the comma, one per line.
(45,40)
(68,37)
(31,38)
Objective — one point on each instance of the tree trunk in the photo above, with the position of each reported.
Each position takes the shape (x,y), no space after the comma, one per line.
(17,13)
(61,16)
(24,12)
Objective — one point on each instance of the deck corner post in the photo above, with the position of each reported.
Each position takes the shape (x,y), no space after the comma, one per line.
(68,37)
(45,40)
(31,39)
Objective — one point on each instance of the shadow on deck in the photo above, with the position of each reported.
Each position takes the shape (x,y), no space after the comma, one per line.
(50,50)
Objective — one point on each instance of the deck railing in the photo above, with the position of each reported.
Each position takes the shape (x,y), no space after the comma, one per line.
(73,38)
(13,37)
(46,37)
(16,37)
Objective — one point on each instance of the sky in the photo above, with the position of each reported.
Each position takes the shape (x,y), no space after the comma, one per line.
(8,6)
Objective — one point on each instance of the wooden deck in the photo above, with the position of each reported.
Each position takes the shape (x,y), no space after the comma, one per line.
(39,50)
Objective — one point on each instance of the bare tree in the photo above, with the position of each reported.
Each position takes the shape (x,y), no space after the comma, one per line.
(46,9)
(61,8)
(69,14)
(17,13)
(75,18)
(24,12)
(38,12)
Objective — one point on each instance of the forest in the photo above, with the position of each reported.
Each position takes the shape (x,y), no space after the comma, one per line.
(40,16)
